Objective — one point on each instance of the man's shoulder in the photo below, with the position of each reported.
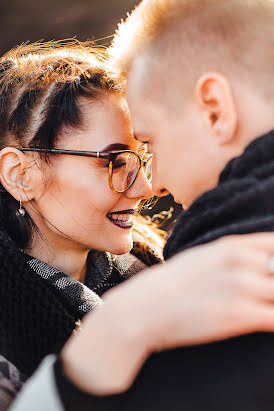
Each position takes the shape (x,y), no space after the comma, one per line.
(235,374)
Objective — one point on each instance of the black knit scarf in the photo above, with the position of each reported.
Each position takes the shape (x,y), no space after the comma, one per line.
(242,202)
(40,305)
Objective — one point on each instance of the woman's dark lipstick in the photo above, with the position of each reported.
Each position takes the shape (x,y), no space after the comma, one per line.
(122,218)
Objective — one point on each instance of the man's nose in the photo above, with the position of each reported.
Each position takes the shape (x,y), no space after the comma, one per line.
(141,188)
(157,187)
(159,191)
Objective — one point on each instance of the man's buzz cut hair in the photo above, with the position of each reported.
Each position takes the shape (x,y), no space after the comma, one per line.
(223,35)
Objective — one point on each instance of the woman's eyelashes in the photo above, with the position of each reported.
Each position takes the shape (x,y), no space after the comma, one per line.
(118,164)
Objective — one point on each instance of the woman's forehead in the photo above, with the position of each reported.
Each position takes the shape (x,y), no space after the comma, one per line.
(104,123)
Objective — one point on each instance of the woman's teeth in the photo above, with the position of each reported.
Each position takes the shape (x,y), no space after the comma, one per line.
(121,220)
(121,217)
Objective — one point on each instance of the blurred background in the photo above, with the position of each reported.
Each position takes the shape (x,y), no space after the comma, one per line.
(32,20)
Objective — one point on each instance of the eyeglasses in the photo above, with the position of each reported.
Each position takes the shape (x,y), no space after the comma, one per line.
(123,165)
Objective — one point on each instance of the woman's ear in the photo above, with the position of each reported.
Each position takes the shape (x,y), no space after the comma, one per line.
(215,99)
(15,174)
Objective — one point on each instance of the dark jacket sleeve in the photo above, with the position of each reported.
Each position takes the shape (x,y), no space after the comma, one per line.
(236,374)
(74,399)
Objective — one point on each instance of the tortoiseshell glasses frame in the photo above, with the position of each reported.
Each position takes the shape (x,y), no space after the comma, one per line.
(120,179)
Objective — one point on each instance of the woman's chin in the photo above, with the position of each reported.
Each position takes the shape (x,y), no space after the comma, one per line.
(121,248)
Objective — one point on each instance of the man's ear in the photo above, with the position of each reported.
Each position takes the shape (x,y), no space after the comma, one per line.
(15,174)
(215,99)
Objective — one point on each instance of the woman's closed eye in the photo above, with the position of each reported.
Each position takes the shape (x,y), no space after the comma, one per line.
(119,164)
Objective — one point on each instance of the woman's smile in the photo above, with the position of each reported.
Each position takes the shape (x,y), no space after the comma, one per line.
(122,218)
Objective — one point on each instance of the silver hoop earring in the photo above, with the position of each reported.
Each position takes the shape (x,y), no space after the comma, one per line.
(21,211)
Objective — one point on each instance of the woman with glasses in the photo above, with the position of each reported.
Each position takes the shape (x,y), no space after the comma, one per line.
(72,177)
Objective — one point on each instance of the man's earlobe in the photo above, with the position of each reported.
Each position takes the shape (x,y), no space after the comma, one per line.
(13,174)
(216,102)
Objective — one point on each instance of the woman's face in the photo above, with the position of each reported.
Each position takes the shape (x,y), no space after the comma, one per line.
(75,200)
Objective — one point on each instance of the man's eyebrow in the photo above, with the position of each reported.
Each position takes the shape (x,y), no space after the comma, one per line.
(116,146)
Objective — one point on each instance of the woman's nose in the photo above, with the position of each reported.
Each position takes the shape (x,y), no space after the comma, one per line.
(141,188)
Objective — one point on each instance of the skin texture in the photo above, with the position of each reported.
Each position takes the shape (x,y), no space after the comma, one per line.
(69,198)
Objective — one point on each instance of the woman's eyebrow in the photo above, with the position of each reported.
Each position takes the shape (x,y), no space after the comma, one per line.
(116,146)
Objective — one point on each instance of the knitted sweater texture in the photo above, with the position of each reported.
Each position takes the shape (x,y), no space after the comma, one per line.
(39,305)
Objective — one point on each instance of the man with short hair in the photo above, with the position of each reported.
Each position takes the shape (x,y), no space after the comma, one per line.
(199,85)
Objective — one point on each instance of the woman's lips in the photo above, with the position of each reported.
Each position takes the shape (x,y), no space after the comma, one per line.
(122,218)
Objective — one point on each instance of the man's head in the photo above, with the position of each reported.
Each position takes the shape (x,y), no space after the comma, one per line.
(199,85)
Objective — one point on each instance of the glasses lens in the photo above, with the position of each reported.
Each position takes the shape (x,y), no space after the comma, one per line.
(124,171)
